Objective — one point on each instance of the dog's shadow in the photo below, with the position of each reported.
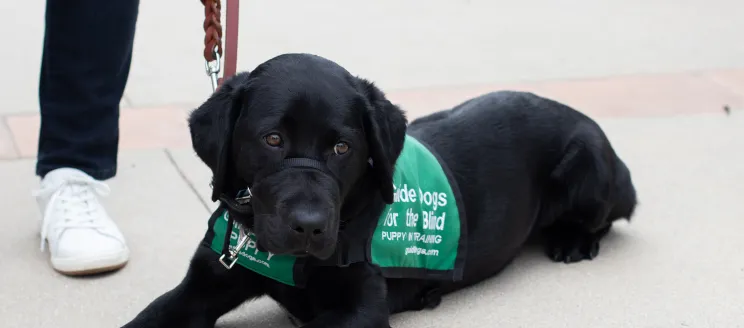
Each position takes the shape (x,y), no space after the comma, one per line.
(265,312)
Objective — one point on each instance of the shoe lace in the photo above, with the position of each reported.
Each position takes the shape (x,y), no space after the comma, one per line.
(73,205)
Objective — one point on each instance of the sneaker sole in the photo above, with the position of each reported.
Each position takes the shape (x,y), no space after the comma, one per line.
(90,266)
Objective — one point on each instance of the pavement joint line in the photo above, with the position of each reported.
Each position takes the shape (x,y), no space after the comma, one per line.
(726,86)
(129,104)
(175,106)
(181,173)
(126,102)
(589,78)
(20,114)
(12,139)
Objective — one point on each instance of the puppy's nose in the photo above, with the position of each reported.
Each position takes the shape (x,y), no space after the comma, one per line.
(310,223)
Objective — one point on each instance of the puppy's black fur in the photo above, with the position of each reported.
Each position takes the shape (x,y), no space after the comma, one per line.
(525,166)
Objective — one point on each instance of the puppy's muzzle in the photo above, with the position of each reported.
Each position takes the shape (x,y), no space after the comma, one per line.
(310,225)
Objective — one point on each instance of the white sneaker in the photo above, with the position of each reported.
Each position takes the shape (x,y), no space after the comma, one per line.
(82,237)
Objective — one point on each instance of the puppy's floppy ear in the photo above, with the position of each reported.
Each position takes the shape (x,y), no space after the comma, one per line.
(385,130)
(211,126)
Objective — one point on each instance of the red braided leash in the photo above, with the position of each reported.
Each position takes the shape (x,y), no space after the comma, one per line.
(213,43)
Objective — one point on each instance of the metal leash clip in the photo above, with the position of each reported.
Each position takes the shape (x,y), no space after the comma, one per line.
(213,68)
(234,251)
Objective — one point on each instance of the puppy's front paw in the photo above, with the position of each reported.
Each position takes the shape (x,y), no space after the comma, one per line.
(569,244)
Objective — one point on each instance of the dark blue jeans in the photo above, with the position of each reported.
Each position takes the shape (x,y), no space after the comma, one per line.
(84,69)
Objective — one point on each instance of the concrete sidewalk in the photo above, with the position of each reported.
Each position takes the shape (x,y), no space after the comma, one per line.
(404,44)
(678,264)
(656,75)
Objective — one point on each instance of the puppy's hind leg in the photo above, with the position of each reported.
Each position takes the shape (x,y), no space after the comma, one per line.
(580,196)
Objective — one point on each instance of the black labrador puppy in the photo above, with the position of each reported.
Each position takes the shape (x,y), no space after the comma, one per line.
(320,177)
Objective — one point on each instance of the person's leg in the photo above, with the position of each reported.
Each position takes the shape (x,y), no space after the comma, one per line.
(85,66)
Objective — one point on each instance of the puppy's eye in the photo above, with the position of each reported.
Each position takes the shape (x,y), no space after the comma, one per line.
(341,148)
(273,140)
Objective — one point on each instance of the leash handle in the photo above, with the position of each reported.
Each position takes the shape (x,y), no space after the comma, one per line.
(213,32)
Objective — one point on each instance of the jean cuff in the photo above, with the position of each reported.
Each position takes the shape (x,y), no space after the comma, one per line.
(100,174)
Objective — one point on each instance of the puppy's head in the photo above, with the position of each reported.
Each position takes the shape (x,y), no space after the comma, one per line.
(298,108)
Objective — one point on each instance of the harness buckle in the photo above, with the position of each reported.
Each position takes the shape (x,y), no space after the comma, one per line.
(244,196)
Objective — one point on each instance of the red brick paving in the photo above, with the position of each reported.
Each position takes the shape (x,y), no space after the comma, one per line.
(639,95)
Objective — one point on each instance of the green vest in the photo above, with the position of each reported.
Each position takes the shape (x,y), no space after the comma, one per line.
(422,234)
